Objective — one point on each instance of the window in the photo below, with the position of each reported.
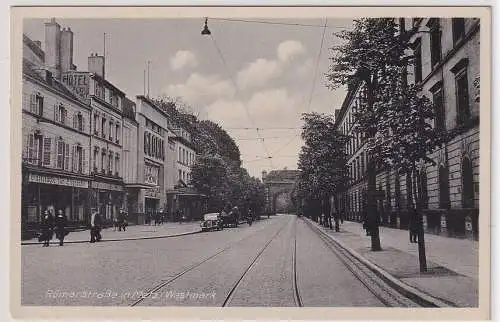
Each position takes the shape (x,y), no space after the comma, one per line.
(462,97)
(435,34)
(418,62)
(66,157)
(117,164)
(78,122)
(103,161)
(437,99)
(117,133)
(146,143)
(180,174)
(103,127)
(33,148)
(96,156)
(111,130)
(47,145)
(362,163)
(60,154)
(110,163)
(77,159)
(458,29)
(61,114)
(96,121)
(180,155)
(467,184)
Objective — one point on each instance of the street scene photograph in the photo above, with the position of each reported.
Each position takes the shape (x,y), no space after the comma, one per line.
(219,161)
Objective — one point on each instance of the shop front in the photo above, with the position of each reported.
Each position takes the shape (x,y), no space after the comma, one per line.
(45,189)
(107,199)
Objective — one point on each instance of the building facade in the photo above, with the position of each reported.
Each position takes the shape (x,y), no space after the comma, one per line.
(56,140)
(446,69)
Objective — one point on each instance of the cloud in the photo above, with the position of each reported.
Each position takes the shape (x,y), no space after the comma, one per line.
(290,49)
(202,89)
(183,58)
(305,69)
(272,102)
(258,73)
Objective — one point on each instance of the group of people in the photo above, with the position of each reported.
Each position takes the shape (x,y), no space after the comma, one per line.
(331,220)
(50,225)
(120,221)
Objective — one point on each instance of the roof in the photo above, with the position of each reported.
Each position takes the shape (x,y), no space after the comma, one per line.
(102,80)
(128,108)
(283,175)
(55,85)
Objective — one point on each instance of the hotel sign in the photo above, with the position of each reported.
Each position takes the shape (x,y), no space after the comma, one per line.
(106,186)
(78,81)
(69,182)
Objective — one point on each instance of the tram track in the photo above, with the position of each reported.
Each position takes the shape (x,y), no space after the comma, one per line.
(197,264)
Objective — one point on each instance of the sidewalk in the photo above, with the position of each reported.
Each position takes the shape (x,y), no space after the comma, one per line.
(452,263)
(133,232)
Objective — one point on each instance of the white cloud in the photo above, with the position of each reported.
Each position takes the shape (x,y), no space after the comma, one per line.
(290,49)
(202,89)
(305,69)
(258,73)
(273,102)
(183,58)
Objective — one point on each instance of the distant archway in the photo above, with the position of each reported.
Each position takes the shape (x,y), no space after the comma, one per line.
(280,189)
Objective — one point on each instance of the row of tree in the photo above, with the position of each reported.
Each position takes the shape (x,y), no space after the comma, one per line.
(394,119)
(217,172)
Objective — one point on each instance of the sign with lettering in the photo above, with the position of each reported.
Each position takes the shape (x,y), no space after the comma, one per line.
(60,181)
(78,81)
(153,192)
(106,186)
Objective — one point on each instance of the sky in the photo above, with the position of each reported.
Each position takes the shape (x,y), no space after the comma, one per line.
(261,76)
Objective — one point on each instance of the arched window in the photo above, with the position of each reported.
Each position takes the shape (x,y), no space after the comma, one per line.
(467,184)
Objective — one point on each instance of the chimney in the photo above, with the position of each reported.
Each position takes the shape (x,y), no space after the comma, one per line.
(66,50)
(96,64)
(52,47)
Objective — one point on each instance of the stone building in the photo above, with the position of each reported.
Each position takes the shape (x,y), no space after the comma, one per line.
(447,70)
(129,156)
(56,139)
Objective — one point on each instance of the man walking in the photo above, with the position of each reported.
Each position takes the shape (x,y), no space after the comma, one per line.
(60,226)
(95,227)
(46,229)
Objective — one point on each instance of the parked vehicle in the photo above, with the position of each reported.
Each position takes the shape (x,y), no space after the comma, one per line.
(211,221)
(230,219)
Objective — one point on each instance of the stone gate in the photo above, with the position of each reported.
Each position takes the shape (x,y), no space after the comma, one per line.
(280,186)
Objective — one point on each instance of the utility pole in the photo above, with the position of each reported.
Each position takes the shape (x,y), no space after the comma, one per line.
(104,55)
(149,62)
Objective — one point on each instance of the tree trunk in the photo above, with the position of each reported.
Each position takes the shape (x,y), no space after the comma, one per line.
(420,232)
(371,207)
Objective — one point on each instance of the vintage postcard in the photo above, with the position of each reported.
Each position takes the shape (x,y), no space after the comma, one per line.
(280,162)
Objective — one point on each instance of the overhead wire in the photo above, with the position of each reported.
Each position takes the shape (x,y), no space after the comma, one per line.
(273,23)
(237,93)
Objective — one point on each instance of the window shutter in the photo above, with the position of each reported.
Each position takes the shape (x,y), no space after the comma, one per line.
(75,122)
(84,162)
(47,144)
(83,124)
(31,144)
(56,113)
(33,103)
(74,159)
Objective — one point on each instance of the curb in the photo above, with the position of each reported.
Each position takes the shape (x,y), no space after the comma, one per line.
(116,239)
(408,291)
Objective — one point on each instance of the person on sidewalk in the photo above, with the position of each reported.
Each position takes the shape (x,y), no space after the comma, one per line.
(95,227)
(120,220)
(60,227)
(116,222)
(413,225)
(45,229)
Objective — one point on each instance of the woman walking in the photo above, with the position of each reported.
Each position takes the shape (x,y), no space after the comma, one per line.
(46,229)
(60,227)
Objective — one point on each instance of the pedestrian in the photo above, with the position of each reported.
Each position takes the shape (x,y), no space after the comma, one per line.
(95,227)
(60,227)
(119,220)
(45,229)
(413,225)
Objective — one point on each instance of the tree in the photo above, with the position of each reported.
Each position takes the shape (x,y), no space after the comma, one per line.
(395,119)
(322,160)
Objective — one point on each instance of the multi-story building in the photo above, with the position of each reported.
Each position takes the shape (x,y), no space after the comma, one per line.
(129,156)
(56,138)
(446,68)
